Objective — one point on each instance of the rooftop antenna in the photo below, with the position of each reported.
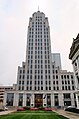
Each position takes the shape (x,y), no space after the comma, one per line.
(38,7)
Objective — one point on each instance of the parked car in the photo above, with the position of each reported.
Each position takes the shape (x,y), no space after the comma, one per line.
(5,108)
(70,108)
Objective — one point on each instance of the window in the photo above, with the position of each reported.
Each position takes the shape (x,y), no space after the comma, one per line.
(49,76)
(66,96)
(23,66)
(23,71)
(30,87)
(20,71)
(35,87)
(57,88)
(53,66)
(23,82)
(49,71)
(19,82)
(46,71)
(54,88)
(73,88)
(23,76)
(61,76)
(27,82)
(41,82)
(41,76)
(31,71)
(35,77)
(71,76)
(62,87)
(27,88)
(49,82)
(67,76)
(49,88)
(27,76)
(41,88)
(53,76)
(62,82)
(22,87)
(53,71)
(68,82)
(72,82)
(46,82)
(30,82)
(65,82)
(65,87)
(38,88)
(30,76)
(38,82)
(53,82)
(46,88)
(68,87)
(56,76)
(56,82)
(38,76)
(56,71)
(20,77)
(46,76)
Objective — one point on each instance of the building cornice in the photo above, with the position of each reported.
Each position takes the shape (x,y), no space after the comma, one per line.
(74,48)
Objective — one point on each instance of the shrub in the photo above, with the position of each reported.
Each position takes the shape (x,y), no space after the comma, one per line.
(26,107)
(48,109)
(20,109)
(33,108)
(1,110)
(41,108)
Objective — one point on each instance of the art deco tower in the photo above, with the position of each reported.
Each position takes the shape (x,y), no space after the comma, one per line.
(38,53)
(38,66)
(40,80)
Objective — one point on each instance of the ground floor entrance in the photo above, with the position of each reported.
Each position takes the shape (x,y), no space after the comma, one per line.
(38,100)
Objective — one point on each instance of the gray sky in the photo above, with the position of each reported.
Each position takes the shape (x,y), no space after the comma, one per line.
(63,18)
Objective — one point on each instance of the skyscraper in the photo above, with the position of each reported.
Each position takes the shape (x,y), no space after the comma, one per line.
(39,80)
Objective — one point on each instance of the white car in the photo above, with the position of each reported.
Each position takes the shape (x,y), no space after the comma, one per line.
(70,108)
(5,108)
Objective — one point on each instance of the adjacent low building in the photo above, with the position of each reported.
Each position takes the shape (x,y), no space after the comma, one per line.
(74,56)
(2,91)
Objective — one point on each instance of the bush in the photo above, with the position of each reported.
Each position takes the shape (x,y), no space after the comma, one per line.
(41,108)
(1,110)
(48,109)
(20,109)
(33,108)
(26,107)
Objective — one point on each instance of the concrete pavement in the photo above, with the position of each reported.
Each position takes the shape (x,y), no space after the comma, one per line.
(67,114)
(7,112)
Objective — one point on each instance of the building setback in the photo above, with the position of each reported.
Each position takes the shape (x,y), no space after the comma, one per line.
(40,80)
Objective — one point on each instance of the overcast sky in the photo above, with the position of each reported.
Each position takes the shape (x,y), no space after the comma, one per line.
(63,16)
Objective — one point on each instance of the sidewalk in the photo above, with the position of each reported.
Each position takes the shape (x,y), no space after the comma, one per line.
(7,112)
(67,114)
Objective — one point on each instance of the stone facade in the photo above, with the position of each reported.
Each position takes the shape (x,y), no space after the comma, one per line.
(40,80)
(74,56)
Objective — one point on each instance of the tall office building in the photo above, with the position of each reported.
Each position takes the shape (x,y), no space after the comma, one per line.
(40,81)
(57,59)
